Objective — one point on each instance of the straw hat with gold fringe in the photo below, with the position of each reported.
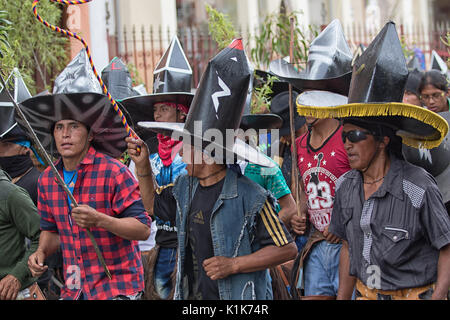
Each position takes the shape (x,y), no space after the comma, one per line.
(376,92)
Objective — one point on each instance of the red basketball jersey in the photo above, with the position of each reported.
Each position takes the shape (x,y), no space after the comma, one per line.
(319,170)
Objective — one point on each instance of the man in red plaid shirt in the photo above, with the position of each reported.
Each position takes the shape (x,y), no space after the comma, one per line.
(116,222)
(88,136)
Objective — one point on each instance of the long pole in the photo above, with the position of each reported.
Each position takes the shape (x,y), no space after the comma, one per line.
(291,119)
(55,171)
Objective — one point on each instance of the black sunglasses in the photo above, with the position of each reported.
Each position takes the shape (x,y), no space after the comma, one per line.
(355,135)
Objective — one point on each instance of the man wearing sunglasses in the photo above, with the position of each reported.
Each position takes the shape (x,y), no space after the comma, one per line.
(374,152)
(389,213)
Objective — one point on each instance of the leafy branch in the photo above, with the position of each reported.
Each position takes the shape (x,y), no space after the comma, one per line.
(220,27)
(274,38)
(38,52)
(261,94)
(5,26)
(446,41)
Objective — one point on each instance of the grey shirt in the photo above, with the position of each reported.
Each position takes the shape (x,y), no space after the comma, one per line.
(395,236)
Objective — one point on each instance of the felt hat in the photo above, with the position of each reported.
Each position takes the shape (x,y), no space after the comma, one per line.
(171,83)
(329,65)
(438,64)
(414,64)
(9,129)
(77,95)
(117,79)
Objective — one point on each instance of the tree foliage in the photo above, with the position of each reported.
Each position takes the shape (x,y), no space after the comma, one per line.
(220,27)
(37,51)
(446,41)
(5,26)
(274,39)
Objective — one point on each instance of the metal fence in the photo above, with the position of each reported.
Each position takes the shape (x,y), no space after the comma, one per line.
(142,47)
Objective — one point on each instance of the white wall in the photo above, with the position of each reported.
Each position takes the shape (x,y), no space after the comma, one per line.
(99,39)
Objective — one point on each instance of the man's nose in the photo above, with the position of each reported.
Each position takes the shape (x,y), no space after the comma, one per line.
(66,132)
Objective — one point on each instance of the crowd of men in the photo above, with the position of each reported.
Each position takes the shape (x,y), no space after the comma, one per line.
(193,212)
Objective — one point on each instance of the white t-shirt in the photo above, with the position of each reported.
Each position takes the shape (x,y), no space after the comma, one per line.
(148,244)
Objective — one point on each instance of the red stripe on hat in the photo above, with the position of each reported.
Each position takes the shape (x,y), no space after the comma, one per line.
(236,44)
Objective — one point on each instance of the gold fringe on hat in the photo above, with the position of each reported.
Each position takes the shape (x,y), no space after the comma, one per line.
(386,110)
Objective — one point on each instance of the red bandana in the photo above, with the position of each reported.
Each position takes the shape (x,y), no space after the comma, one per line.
(177,106)
(168,149)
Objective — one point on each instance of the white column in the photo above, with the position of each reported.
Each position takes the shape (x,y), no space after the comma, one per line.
(424,17)
(273,6)
(99,37)
(348,19)
(248,17)
(168,16)
(303,17)
(408,19)
(148,13)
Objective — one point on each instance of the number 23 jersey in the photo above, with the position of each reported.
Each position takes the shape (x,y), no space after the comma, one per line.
(319,169)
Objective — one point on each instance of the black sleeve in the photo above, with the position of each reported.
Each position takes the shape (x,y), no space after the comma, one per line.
(434,218)
(270,230)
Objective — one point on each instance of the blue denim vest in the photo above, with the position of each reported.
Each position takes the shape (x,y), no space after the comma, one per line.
(232,230)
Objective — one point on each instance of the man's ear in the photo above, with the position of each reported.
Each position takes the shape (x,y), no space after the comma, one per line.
(385,142)
(182,116)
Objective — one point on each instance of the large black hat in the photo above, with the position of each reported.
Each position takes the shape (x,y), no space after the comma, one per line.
(76,96)
(217,108)
(414,64)
(329,65)
(117,79)
(438,64)
(280,106)
(376,94)
(9,129)
(413,82)
(358,52)
(436,161)
(171,83)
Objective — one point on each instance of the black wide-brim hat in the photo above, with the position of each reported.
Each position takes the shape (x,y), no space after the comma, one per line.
(218,107)
(172,80)
(94,110)
(286,71)
(376,91)
(261,121)
(231,151)
(280,106)
(140,108)
(329,65)
(9,129)
(436,160)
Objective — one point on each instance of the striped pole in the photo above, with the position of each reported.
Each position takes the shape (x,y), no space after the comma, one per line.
(67,33)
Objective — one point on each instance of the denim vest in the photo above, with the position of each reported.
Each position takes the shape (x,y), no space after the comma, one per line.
(232,230)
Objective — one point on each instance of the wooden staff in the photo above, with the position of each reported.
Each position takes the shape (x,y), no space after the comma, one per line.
(55,171)
(291,119)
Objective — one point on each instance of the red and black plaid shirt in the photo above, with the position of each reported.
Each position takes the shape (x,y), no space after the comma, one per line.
(106,185)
